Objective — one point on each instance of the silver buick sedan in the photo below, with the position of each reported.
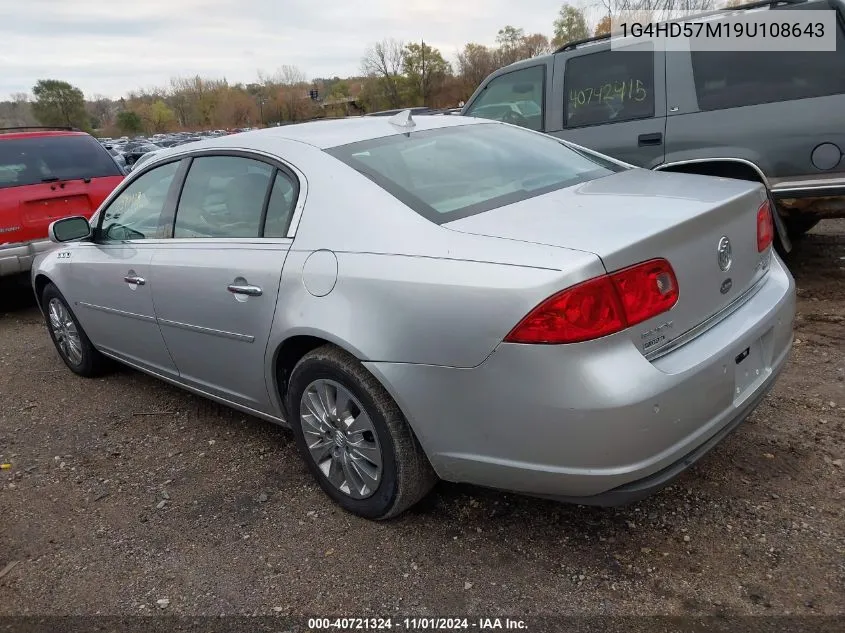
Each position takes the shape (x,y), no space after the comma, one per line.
(439,297)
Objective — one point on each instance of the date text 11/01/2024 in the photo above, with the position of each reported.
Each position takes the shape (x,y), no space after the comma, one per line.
(416,624)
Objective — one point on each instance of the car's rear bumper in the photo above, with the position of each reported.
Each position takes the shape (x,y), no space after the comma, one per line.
(595,422)
(18,258)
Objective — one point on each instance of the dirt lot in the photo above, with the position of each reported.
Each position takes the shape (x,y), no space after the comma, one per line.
(124,491)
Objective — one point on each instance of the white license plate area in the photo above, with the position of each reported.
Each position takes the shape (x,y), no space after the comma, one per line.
(749,369)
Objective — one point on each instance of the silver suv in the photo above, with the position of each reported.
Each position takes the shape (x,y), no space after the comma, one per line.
(773,117)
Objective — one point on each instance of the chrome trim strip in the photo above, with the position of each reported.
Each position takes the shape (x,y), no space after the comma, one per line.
(709,322)
(129,315)
(693,161)
(199,392)
(814,181)
(246,338)
(832,185)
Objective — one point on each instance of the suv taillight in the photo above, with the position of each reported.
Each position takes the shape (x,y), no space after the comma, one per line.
(601,306)
(765,227)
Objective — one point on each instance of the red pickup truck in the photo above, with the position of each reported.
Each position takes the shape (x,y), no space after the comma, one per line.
(47,174)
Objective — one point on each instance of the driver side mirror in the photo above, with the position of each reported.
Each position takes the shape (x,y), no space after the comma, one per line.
(69,230)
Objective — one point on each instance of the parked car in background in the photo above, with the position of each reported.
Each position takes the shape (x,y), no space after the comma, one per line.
(445,296)
(142,159)
(777,118)
(117,155)
(133,150)
(47,174)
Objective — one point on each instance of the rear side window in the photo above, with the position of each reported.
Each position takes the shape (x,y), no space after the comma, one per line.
(516,97)
(280,206)
(608,87)
(451,173)
(726,79)
(36,159)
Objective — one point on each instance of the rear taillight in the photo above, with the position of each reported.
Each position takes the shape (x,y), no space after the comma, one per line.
(601,306)
(646,289)
(765,227)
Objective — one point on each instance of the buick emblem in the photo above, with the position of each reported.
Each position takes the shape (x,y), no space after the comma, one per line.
(724,252)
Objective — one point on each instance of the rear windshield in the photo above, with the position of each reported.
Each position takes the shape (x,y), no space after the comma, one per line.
(455,172)
(27,161)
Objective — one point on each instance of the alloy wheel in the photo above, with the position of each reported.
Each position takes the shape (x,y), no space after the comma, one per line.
(65,331)
(341,438)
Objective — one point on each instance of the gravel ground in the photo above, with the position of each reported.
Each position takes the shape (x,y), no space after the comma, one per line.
(124,492)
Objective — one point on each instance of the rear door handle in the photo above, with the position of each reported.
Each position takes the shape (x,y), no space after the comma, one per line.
(134,280)
(252,291)
(650,139)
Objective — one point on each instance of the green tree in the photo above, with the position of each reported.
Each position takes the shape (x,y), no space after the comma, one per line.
(59,103)
(425,70)
(570,25)
(129,122)
(510,40)
(159,117)
(339,90)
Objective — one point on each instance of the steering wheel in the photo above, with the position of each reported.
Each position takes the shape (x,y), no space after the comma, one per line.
(515,118)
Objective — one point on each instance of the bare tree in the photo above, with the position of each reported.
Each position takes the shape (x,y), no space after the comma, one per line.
(475,62)
(384,61)
(535,44)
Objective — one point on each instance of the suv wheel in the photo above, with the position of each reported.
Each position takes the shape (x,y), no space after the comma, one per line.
(798,225)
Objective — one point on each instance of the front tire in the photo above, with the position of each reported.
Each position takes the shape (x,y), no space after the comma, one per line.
(71,342)
(353,437)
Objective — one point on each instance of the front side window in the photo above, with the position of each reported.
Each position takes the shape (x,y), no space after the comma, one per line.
(134,213)
(455,172)
(516,97)
(608,87)
(223,196)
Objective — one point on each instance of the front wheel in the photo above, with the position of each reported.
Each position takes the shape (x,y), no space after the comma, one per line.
(70,339)
(354,438)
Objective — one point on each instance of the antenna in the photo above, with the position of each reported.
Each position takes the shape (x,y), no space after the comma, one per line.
(403,120)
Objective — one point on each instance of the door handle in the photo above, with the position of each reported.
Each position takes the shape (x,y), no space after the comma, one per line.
(134,280)
(650,139)
(238,289)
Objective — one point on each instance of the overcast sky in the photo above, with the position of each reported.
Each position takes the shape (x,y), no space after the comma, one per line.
(112,46)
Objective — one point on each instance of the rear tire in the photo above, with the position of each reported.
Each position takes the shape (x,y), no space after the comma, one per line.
(336,407)
(72,344)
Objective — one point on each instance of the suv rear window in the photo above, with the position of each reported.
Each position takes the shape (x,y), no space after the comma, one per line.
(27,161)
(728,79)
(451,173)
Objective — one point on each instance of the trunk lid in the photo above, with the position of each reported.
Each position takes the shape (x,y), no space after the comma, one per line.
(637,215)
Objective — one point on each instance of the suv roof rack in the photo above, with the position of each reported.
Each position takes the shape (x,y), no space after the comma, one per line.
(751,5)
(20,128)
(762,3)
(576,43)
